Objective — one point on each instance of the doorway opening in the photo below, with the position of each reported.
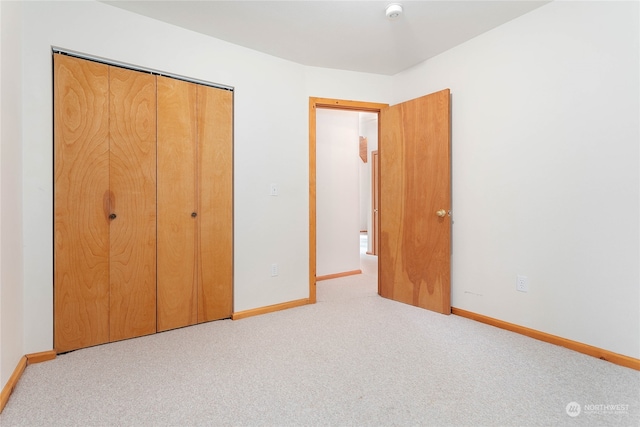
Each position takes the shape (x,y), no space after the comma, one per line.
(314,105)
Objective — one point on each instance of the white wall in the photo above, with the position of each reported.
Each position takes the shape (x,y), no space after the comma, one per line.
(350,85)
(337,192)
(364,197)
(369,129)
(3,376)
(11,307)
(545,113)
(271,142)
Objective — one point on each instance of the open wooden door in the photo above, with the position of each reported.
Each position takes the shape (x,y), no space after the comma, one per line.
(415,198)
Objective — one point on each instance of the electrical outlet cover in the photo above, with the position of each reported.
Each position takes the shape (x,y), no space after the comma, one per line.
(522,283)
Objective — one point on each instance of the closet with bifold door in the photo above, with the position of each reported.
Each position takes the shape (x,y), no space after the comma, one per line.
(194,210)
(143,217)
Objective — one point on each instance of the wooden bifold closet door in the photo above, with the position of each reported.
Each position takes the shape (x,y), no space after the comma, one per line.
(132,186)
(130,158)
(81,204)
(194,203)
(104,203)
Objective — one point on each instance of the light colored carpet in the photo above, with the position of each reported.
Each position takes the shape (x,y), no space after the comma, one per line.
(352,359)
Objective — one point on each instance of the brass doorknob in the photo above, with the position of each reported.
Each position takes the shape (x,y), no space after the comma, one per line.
(441,213)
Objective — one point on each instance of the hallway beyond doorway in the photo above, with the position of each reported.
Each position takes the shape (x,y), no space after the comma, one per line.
(368,263)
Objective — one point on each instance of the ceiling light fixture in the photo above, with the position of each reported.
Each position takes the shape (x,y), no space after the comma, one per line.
(393,11)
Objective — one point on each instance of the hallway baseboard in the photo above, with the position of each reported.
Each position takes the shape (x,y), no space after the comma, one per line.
(336,275)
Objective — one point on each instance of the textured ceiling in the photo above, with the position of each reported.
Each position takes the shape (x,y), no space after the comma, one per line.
(346,35)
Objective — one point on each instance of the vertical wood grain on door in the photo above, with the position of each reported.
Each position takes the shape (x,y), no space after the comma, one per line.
(81,203)
(176,242)
(415,183)
(114,216)
(215,203)
(133,189)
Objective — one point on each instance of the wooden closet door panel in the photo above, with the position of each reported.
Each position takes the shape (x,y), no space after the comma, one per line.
(215,198)
(133,189)
(81,203)
(177,287)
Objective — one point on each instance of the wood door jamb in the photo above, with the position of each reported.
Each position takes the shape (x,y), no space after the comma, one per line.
(338,104)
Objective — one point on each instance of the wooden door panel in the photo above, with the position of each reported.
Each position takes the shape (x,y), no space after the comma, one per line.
(133,189)
(415,183)
(215,203)
(176,243)
(81,203)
